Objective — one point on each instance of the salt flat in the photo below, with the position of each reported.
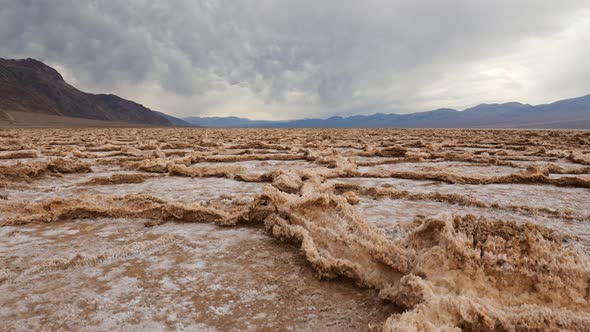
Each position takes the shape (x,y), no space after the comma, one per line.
(299,229)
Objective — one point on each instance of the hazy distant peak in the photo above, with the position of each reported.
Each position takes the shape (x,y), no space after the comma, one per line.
(569,113)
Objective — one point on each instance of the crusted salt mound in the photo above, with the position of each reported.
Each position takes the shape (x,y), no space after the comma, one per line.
(34,169)
(579,157)
(118,179)
(448,272)
(394,151)
(288,182)
(157,165)
(532,175)
(128,206)
(19,154)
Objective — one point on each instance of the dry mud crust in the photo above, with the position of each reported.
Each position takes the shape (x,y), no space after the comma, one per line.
(397,229)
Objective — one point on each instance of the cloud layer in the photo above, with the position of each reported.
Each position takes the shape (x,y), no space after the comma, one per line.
(302,58)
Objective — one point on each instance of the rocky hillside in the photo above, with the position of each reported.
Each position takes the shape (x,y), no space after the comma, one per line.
(31,86)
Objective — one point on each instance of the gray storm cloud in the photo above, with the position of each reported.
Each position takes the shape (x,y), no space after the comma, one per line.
(292,59)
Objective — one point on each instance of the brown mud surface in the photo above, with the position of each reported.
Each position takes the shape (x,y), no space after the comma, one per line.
(302,229)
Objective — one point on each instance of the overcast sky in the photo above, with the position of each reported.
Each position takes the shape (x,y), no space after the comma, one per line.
(283,59)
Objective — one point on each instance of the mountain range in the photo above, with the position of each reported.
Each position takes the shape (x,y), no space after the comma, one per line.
(33,93)
(569,113)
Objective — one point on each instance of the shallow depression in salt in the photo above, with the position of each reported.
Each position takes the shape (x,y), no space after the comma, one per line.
(172,188)
(185,190)
(171,277)
(540,196)
(58,186)
(465,169)
(261,167)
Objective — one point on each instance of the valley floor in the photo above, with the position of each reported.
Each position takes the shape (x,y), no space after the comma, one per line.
(200,229)
(15,119)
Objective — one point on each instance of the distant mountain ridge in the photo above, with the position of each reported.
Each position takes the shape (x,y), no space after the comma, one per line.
(28,85)
(230,121)
(568,114)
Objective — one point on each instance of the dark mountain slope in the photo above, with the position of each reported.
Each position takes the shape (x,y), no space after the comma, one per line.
(31,86)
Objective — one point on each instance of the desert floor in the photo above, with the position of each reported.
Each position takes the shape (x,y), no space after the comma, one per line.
(294,229)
